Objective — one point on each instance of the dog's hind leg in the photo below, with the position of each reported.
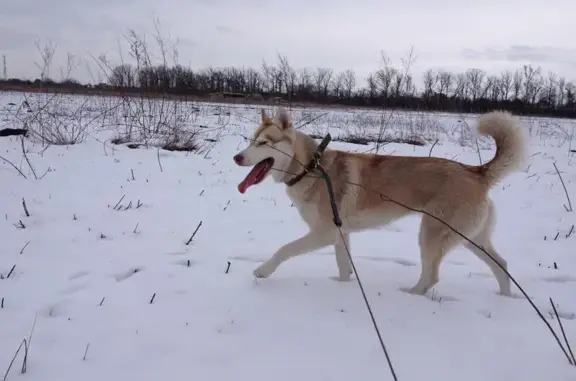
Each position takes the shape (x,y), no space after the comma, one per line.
(314,240)
(436,240)
(342,259)
(483,239)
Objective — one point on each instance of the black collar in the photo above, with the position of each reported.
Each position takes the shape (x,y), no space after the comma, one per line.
(314,162)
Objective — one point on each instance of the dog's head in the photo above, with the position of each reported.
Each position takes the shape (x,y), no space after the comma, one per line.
(270,151)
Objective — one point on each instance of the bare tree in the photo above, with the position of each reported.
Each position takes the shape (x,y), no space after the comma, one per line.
(323,80)
(549,91)
(305,81)
(430,79)
(372,83)
(532,83)
(337,85)
(349,82)
(505,84)
(561,91)
(288,76)
(385,76)
(461,88)
(445,82)
(492,88)
(517,83)
(475,81)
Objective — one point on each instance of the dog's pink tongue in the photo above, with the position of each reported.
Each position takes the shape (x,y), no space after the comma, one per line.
(245,184)
(249,180)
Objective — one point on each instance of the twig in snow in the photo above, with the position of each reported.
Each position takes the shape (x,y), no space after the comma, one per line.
(570,232)
(118,203)
(24,344)
(573,362)
(152,299)
(20,225)
(569,207)
(201,193)
(133,178)
(27,159)
(431,148)
(135,231)
(228,267)
(45,173)
(86,352)
(193,234)
(119,207)
(102,301)
(11,271)
(15,167)
(26,212)
(570,150)
(26,245)
(159,161)
(2,303)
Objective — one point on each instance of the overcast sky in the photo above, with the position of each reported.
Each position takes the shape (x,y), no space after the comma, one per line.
(341,34)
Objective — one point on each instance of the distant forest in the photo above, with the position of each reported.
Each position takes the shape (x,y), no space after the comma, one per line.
(527,90)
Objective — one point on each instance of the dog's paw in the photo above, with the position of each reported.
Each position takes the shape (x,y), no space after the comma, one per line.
(511,295)
(262,271)
(411,290)
(342,278)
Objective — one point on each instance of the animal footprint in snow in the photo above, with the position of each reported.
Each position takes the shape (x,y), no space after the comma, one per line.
(73,289)
(127,274)
(246,259)
(398,261)
(57,309)
(486,313)
(559,279)
(78,275)
(562,314)
(177,253)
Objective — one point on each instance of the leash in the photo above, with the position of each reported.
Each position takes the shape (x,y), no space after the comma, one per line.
(314,164)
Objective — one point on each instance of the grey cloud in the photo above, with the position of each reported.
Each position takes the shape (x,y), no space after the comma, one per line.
(225,29)
(13,40)
(524,53)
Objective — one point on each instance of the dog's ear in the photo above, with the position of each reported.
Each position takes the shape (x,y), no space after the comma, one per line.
(283,118)
(265,118)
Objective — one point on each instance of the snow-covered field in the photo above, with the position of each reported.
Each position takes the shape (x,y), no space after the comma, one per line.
(101,277)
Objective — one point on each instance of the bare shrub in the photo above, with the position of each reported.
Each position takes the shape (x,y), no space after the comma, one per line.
(152,120)
(54,118)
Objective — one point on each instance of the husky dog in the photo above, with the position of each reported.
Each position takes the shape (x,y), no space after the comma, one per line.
(364,184)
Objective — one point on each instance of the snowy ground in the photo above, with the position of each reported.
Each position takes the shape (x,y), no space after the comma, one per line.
(118,295)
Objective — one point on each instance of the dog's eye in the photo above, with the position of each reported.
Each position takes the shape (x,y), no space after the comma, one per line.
(260,143)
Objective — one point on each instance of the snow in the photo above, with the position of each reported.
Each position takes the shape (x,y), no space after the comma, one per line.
(118,295)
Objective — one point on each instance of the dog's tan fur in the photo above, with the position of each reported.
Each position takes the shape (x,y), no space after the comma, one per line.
(454,192)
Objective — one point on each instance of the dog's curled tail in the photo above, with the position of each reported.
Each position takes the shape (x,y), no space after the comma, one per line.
(510,140)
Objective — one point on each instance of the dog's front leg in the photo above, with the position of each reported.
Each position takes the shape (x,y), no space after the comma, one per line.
(314,240)
(341,247)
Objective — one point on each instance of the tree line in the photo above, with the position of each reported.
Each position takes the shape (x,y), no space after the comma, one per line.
(527,90)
